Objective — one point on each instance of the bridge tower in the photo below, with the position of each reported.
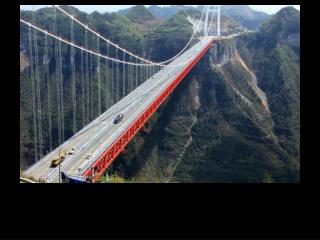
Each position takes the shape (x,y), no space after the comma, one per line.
(218,20)
(205,29)
(207,24)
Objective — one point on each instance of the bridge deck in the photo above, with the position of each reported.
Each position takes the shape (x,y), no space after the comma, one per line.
(101,133)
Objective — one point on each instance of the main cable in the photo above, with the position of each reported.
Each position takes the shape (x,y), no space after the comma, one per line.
(126,51)
(98,54)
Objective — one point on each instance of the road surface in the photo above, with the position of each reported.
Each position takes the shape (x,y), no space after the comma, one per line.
(97,136)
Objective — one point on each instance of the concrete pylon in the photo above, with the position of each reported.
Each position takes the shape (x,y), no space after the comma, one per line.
(206,21)
(218,20)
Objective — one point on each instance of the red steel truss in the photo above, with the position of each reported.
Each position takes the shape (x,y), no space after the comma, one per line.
(103,162)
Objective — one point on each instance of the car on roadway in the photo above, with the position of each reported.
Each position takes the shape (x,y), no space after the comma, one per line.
(73,149)
(71,152)
(118,119)
(88,156)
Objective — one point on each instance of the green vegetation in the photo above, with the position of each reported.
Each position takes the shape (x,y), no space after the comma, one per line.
(170,37)
(277,64)
(168,12)
(231,141)
(267,178)
(117,27)
(204,132)
(139,14)
(244,15)
(279,28)
(286,21)
(114,178)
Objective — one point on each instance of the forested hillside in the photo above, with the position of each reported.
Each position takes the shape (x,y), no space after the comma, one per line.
(242,14)
(234,118)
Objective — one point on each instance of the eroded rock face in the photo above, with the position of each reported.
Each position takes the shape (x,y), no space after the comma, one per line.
(226,51)
(24,63)
(218,126)
(292,40)
(221,54)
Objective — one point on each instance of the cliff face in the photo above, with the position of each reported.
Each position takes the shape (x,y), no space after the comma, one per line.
(24,62)
(234,118)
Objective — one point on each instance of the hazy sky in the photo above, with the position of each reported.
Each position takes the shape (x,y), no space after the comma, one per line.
(270,9)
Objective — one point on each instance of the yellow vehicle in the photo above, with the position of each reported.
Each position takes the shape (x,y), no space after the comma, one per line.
(55,162)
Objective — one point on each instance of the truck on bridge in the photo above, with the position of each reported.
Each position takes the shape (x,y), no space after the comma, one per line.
(56,161)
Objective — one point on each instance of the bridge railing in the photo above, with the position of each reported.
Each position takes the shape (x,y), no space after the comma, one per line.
(103,162)
(25,180)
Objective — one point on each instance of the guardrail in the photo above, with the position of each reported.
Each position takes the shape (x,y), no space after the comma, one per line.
(102,163)
(25,180)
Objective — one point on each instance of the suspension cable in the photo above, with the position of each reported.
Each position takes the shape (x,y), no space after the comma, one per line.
(82,90)
(124,50)
(57,65)
(46,62)
(136,75)
(213,14)
(117,77)
(107,77)
(61,88)
(98,35)
(98,54)
(182,50)
(112,83)
(73,83)
(87,79)
(91,75)
(35,134)
(78,46)
(99,78)
(123,77)
(38,93)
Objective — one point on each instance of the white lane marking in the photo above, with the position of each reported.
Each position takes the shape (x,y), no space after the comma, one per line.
(153,83)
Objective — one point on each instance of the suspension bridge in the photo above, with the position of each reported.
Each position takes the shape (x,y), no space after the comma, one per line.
(105,125)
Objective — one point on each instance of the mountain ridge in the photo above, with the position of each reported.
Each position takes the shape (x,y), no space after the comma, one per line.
(234,118)
(243,14)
